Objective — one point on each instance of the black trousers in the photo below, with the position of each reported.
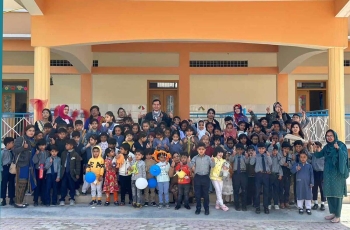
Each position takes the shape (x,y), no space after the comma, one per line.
(318,183)
(284,189)
(201,189)
(125,186)
(240,181)
(261,181)
(67,182)
(51,183)
(251,190)
(7,182)
(40,188)
(274,189)
(184,191)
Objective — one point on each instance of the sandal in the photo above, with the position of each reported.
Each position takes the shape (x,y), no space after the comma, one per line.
(330,217)
(217,206)
(224,208)
(335,220)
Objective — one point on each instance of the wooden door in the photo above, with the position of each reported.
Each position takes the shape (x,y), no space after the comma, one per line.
(302,101)
(170,101)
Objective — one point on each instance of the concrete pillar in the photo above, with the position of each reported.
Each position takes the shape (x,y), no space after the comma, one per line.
(86,91)
(41,77)
(282,91)
(184,85)
(336,104)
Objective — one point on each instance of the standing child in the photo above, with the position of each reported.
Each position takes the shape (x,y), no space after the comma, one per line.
(103,143)
(93,130)
(86,156)
(118,135)
(190,141)
(216,177)
(318,166)
(138,170)
(184,181)
(39,164)
(7,179)
(201,165)
(96,165)
(275,177)
(227,188)
(129,139)
(110,182)
(176,143)
(286,164)
(149,195)
(53,172)
(304,182)
(163,181)
(251,177)
(108,127)
(141,142)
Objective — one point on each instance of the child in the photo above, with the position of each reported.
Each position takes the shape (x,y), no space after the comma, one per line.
(93,130)
(243,139)
(103,143)
(108,127)
(161,142)
(304,182)
(124,176)
(129,139)
(201,131)
(258,129)
(183,126)
(61,141)
(150,139)
(286,164)
(149,195)
(39,163)
(163,182)
(208,149)
(217,141)
(141,142)
(118,135)
(263,164)
(216,177)
(275,177)
(70,129)
(135,131)
(70,168)
(230,131)
(53,172)
(242,128)
(110,182)
(230,143)
(86,156)
(79,146)
(167,133)
(145,126)
(112,143)
(7,179)
(251,177)
(176,143)
(96,165)
(201,165)
(138,170)
(176,123)
(190,141)
(79,127)
(227,188)
(318,166)
(184,183)
(47,131)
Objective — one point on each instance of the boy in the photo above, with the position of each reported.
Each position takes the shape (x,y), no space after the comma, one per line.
(230,142)
(318,166)
(176,123)
(304,121)
(79,127)
(96,165)
(184,183)
(201,165)
(275,177)
(263,164)
(39,160)
(251,177)
(70,163)
(149,192)
(93,130)
(304,182)
(86,156)
(53,172)
(129,138)
(240,177)
(286,165)
(47,131)
(70,129)
(61,141)
(138,170)
(7,179)
(112,143)
(78,147)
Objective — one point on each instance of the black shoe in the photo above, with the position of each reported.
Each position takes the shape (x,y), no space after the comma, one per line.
(106,203)
(116,203)
(47,205)
(266,210)
(146,204)
(187,207)
(177,207)
(237,208)
(83,193)
(308,211)
(3,202)
(99,202)
(93,202)
(154,204)
(322,207)
(12,202)
(315,207)
(244,208)
(130,202)
(36,204)
(301,211)
(206,212)
(257,210)
(198,211)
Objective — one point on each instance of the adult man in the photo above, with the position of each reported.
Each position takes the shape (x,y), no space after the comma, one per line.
(158,115)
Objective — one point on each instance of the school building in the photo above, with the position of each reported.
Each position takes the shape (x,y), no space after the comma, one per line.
(193,55)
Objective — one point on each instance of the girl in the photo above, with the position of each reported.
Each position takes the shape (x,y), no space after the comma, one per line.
(110,182)
(227,188)
(242,128)
(216,177)
(243,139)
(150,139)
(118,135)
(201,131)
(138,170)
(141,142)
(46,118)
(238,115)
(273,141)
(108,126)
(211,118)
(210,129)
(230,143)
(167,133)
(161,142)
(135,131)
(145,126)
(176,143)
(260,131)
(230,131)
(63,117)
(183,126)
(163,180)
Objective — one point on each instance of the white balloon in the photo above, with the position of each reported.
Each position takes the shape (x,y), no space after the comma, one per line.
(141,183)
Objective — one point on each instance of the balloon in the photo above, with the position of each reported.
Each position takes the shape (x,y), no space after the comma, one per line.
(154,170)
(141,183)
(152,183)
(90,177)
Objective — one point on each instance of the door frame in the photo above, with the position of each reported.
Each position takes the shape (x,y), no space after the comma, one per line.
(17,80)
(164,89)
(314,89)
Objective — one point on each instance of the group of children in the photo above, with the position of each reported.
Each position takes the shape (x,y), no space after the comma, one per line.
(242,162)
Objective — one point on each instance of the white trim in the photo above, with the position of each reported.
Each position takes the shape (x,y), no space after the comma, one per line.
(17,36)
(15,10)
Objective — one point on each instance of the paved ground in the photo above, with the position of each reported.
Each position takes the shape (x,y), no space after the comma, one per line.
(85,217)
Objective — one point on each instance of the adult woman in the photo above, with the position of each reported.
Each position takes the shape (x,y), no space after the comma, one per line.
(296,133)
(121,114)
(22,154)
(336,171)
(63,117)
(46,118)
(238,115)
(94,113)
(277,113)
(211,119)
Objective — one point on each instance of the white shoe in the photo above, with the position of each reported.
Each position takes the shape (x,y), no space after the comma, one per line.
(77,193)
(62,203)
(269,207)
(277,207)
(71,202)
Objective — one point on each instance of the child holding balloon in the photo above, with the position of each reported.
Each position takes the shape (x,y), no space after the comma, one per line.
(110,182)
(149,195)
(163,180)
(138,171)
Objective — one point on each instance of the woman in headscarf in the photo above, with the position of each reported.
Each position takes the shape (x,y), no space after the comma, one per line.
(22,150)
(63,117)
(94,114)
(336,171)
(238,115)
(277,113)
(211,118)
(121,114)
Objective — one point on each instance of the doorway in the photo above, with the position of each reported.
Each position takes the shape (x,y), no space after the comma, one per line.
(166,92)
(15,96)
(311,96)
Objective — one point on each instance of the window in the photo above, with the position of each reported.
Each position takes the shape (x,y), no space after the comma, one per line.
(218,63)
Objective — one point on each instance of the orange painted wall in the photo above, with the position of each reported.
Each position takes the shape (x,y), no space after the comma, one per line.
(96,22)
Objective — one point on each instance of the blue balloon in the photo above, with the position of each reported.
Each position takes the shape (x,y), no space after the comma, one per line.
(90,177)
(152,183)
(154,170)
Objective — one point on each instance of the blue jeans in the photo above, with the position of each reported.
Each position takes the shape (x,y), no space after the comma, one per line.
(67,183)
(163,187)
(51,184)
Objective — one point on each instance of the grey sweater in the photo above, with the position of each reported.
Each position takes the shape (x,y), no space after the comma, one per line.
(24,154)
(56,165)
(141,168)
(40,158)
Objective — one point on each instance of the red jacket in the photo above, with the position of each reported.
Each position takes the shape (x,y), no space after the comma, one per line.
(209,151)
(187,170)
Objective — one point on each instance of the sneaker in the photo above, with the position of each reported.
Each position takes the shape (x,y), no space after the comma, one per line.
(3,202)
(301,211)
(77,193)
(146,204)
(99,203)
(62,203)
(187,207)
(154,204)
(93,202)
(277,207)
(160,206)
(83,193)
(167,205)
(315,207)
(106,203)
(269,207)
(322,207)
(71,202)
